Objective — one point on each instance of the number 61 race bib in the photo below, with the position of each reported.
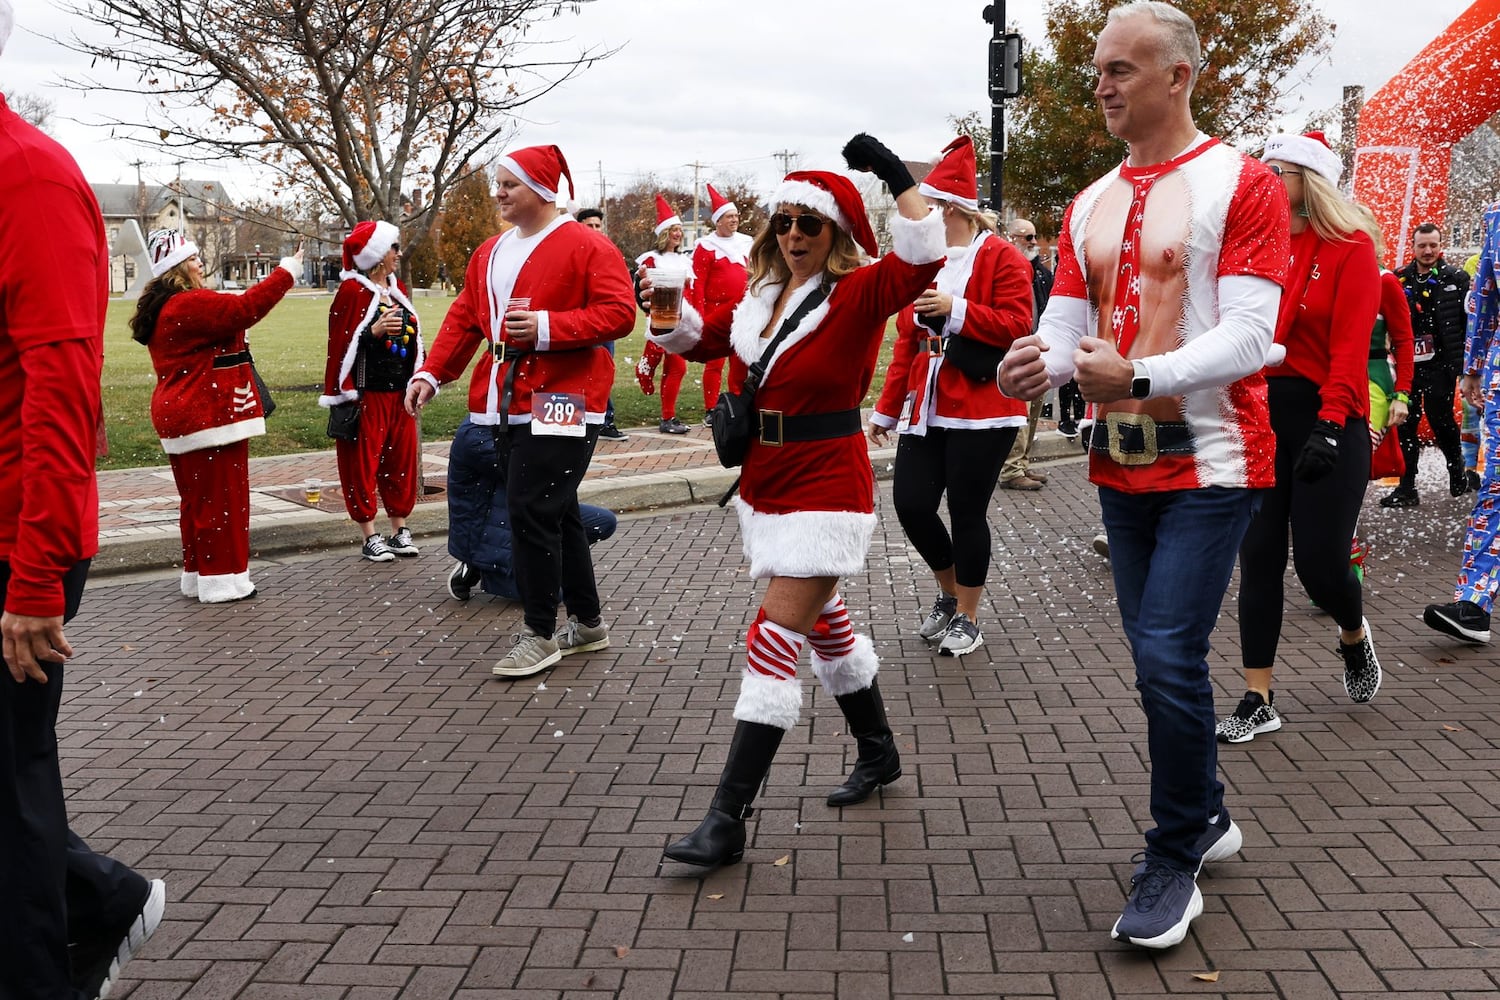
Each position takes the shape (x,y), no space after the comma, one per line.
(557,414)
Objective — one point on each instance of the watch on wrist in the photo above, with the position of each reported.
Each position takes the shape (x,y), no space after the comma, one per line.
(1140,385)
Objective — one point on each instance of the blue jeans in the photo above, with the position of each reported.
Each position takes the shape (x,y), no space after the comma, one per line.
(1172,555)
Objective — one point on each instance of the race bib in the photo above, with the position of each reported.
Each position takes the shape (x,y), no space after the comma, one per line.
(1423,347)
(557,414)
(904,421)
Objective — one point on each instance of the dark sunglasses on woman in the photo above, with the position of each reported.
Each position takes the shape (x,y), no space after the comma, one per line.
(811,225)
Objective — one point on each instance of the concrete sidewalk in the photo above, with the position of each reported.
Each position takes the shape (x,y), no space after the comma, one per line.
(138,507)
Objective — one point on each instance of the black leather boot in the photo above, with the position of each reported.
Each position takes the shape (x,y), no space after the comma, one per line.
(720,838)
(879,763)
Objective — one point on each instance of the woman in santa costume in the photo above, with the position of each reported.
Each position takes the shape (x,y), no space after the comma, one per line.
(807,491)
(205,407)
(954,432)
(666,255)
(720,273)
(374,345)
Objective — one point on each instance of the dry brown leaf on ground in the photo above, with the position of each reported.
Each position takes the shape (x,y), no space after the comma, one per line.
(621,951)
(1452,729)
(781,861)
(1207,977)
(716,895)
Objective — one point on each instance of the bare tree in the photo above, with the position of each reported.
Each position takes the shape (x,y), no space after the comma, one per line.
(347,103)
(33,108)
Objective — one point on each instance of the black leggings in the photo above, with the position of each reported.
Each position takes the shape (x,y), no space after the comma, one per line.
(1321,517)
(966,465)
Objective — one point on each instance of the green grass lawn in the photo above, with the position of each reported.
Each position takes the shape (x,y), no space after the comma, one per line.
(290,346)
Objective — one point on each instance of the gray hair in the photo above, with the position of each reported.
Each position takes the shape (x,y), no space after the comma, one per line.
(1178,37)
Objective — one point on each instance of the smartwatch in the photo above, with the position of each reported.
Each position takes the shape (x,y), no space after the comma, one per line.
(1140,386)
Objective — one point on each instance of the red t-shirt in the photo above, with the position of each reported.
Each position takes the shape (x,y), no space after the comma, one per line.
(53,292)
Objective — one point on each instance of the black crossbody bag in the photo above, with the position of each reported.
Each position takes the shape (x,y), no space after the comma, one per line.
(734,414)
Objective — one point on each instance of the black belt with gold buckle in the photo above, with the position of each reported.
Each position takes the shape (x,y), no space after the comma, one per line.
(1137,439)
(775,428)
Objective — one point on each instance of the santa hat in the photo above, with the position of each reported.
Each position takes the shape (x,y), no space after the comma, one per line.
(666,216)
(7,21)
(540,168)
(719,204)
(168,248)
(953,178)
(830,194)
(368,244)
(1310,150)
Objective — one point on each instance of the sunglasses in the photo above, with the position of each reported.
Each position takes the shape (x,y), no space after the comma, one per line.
(1028,239)
(1283,172)
(396,247)
(811,225)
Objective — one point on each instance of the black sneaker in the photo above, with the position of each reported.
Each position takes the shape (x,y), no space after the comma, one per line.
(673,426)
(610,432)
(1474,481)
(401,543)
(96,966)
(376,550)
(1254,716)
(1458,482)
(1361,668)
(708,419)
(1068,429)
(936,622)
(1401,496)
(1462,619)
(461,581)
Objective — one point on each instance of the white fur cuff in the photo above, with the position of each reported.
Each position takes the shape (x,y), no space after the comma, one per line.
(919,242)
(851,673)
(769,701)
(687,334)
(804,543)
(189,584)
(224,587)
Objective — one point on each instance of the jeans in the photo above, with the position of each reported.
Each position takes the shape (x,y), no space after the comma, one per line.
(1172,555)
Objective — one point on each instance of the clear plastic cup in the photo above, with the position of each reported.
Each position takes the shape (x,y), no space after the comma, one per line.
(313,490)
(666,298)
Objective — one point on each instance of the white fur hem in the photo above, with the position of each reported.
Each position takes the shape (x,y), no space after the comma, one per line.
(919,241)
(769,701)
(851,673)
(224,587)
(214,437)
(189,584)
(346,396)
(687,334)
(804,543)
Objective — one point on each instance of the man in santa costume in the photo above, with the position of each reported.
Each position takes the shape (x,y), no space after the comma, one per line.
(542,299)
(720,273)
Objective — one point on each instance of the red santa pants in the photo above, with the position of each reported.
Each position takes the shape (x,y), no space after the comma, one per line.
(673,369)
(383,459)
(214,517)
(713,380)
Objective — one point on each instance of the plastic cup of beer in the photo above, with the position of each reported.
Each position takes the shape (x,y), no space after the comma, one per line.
(313,490)
(666,298)
(518,304)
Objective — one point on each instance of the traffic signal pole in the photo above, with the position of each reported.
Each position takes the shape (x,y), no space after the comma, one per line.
(1005,82)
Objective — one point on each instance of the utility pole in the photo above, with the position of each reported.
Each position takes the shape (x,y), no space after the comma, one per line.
(603,197)
(1005,82)
(697,219)
(786,156)
(181,202)
(140,194)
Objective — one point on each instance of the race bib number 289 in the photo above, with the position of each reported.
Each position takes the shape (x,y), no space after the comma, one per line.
(558,414)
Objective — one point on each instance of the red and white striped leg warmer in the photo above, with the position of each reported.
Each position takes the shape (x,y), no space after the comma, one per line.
(843,661)
(770,691)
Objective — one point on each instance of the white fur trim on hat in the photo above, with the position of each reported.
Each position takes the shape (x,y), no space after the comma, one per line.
(7,22)
(728,206)
(769,701)
(928,191)
(168,248)
(384,237)
(1305,152)
(810,196)
(525,178)
(851,673)
(666,224)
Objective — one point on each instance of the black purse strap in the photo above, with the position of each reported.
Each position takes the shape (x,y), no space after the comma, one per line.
(758,369)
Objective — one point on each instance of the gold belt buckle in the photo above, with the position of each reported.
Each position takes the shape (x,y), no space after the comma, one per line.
(766,437)
(1112,424)
(498,350)
(934,345)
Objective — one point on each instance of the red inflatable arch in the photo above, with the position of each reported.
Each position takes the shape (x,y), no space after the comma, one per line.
(1404,144)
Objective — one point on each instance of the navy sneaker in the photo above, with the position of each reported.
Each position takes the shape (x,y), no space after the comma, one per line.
(1220,842)
(1163,902)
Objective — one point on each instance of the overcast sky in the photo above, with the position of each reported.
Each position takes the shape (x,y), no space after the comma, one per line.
(728,83)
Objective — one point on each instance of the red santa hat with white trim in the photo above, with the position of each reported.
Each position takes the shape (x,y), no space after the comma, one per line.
(954,177)
(830,194)
(168,248)
(542,169)
(368,243)
(666,216)
(719,204)
(1310,150)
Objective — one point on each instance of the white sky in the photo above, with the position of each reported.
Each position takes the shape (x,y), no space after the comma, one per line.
(728,82)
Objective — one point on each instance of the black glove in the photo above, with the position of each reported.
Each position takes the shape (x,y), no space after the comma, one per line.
(865,152)
(1320,454)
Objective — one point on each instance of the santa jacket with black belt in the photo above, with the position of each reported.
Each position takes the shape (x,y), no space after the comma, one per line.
(720,270)
(353,310)
(196,405)
(807,508)
(990,283)
(581,290)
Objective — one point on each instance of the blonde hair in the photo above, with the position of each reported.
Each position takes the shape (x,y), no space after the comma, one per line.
(976,219)
(1331,215)
(664,238)
(768,267)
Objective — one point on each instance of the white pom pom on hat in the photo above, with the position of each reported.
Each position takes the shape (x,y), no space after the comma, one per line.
(1310,150)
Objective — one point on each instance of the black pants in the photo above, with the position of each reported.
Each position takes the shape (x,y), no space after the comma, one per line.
(1069,403)
(964,464)
(1432,391)
(1320,518)
(550,549)
(53,889)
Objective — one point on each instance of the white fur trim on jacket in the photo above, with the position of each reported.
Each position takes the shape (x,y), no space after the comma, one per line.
(754,312)
(851,673)
(768,701)
(687,334)
(811,196)
(804,543)
(214,437)
(224,587)
(919,241)
(346,363)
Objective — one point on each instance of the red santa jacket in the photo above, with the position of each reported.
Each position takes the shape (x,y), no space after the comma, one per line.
(1396,312)
(807,507)
(205,394)
(991,287)
(577,280)
(720,271)
(349,317)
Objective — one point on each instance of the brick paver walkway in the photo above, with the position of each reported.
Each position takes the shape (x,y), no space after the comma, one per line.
(347,807)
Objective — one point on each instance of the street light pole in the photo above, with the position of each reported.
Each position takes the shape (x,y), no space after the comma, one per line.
(1005,82)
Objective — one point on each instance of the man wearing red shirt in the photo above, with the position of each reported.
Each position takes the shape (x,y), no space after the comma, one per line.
(60,903)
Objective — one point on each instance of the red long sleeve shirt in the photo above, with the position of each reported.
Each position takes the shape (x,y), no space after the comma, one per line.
(1397,313)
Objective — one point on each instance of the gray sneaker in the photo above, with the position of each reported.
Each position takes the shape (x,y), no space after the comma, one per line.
(576,637)
(936,622)
(961,637)
(530,654)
